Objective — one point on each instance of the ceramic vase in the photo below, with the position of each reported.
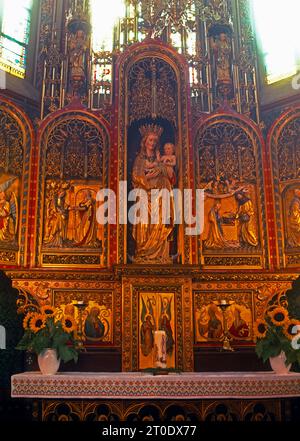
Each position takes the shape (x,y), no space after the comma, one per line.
(48,361)
(278,364)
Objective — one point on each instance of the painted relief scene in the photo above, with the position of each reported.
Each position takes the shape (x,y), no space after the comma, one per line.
(9,209)
(231,216)
(228,175)
(70,216)
(291,210)
(156,313)
(209,318)
(96,321)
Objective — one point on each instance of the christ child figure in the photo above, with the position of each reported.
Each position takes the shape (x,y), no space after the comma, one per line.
(169,159)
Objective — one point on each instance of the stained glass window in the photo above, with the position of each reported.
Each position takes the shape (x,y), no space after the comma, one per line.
(14,37)
(277,28)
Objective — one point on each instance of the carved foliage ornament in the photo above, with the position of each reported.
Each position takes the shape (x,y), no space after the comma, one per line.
(74,149)
(159,14)
(288,150)
(11,144)
(152,90)
(225,149)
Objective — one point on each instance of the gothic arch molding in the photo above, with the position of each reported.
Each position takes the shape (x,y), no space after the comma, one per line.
(73,163)
(17,138)
(283,148)
(228,151)
(163,58)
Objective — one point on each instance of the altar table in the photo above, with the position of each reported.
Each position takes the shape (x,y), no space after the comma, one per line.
(184,389)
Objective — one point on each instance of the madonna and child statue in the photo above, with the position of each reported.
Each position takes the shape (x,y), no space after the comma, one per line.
(154,172)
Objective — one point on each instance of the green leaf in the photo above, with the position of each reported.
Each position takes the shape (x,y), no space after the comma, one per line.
(66,353)
(25,341)
(60,339)
(266,348)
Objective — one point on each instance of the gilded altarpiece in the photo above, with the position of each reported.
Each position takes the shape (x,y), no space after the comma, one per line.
(15,144)
(149,306)
(284,149)
(229,169)
(152,91)
(73,167)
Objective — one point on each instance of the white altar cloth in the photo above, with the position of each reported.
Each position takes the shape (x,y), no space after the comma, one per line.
(139,385)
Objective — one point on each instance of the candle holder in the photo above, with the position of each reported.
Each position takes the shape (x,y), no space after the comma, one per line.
(223,305)
(80,305)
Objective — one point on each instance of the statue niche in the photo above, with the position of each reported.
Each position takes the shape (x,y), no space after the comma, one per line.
(155,79)
(221,53)
(154,170)
(152,158)
(78,56)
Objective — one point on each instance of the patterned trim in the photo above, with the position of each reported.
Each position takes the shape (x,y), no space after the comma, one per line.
(144,386)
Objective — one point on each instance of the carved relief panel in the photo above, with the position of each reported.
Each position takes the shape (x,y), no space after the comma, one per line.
(74,164)
(284,148)
(229,169)
(15,143)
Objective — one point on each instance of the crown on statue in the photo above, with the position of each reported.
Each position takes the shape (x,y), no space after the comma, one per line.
(151,128)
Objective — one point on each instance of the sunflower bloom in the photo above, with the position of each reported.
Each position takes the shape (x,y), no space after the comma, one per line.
(37,322)
(26,320)
(68,323)
(260,328)
(48,310)
(289,328)
(279,316)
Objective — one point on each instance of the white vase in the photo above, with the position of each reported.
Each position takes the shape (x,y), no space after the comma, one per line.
(278,364)
(48,361)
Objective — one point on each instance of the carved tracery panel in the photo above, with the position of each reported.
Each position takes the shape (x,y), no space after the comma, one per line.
(152,90)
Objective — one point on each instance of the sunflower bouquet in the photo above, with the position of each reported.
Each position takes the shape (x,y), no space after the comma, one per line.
(276,331)
(50,328)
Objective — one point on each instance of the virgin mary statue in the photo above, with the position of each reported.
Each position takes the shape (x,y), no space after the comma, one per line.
(149,173)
